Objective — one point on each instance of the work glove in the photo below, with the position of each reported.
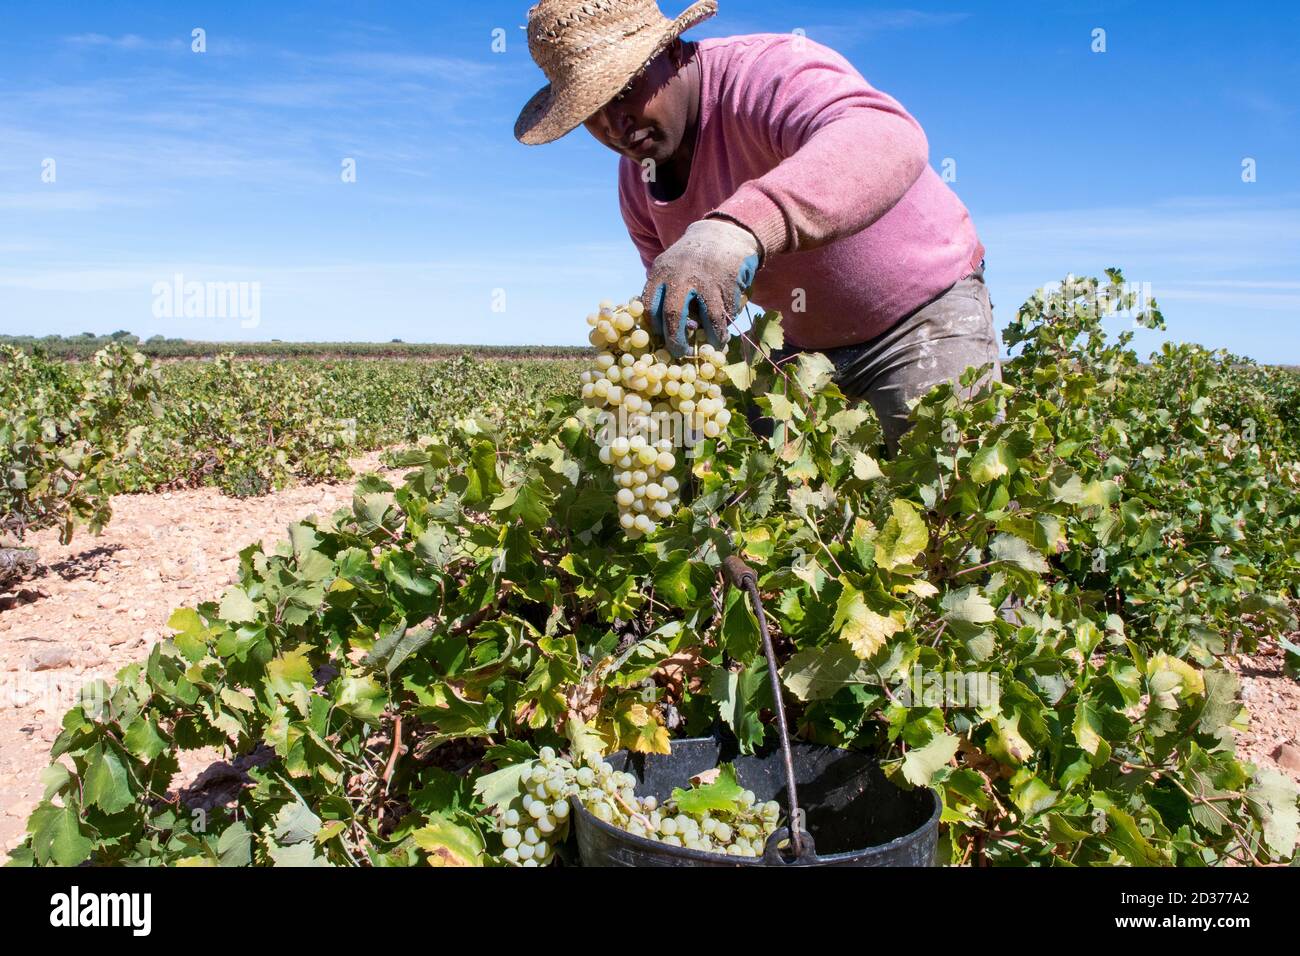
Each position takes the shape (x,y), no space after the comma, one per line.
(712,266)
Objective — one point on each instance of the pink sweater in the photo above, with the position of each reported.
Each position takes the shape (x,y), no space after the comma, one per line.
(833,178)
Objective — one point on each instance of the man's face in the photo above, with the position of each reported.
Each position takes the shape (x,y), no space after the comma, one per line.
(647,121)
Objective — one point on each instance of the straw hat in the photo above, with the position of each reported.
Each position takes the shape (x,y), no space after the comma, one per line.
(590,50)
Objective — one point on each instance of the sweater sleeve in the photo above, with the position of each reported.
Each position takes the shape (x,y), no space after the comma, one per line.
(848,153)
(639,226)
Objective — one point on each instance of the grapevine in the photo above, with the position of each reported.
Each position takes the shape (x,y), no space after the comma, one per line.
(1094,535)
(68,436)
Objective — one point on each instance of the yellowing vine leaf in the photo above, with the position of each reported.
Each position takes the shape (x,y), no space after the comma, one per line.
(449,844)
(639,729)
(903,537)
(864,629)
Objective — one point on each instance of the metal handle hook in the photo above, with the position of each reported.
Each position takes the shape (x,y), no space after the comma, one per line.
(742,576)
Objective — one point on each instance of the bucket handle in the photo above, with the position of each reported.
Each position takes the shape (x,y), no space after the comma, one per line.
(744,577)
(805,855)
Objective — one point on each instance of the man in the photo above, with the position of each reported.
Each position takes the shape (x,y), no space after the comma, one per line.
(767,164)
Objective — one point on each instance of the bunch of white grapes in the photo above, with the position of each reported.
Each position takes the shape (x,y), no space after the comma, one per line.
(538,820)
(534,824)
(657,404)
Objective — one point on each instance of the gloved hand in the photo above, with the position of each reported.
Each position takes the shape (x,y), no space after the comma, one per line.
(713,265)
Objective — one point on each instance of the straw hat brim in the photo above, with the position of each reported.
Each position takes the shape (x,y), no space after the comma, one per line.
(556,111)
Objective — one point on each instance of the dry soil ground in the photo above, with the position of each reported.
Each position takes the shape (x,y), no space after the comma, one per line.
(101,603)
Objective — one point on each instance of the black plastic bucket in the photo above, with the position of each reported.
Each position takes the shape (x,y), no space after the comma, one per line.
(855,815)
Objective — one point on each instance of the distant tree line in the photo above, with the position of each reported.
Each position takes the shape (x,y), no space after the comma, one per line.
(158,346)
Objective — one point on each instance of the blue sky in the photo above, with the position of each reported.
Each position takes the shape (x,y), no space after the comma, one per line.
(225,166)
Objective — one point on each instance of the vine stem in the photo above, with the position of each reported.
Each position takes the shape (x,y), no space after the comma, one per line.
(634,812)
(818,536)
(396,752)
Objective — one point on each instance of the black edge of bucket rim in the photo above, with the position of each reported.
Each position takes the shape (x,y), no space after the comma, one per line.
(706,857)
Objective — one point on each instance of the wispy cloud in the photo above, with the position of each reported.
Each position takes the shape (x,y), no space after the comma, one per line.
(1214,265)
(841,32)
(219,45)
(443,298)
(130,42)
(292,122)
(872,22)
(52,199)
(22,247)
(407,64)
(1256,296)
(1262,104)
(571,261)
(1202,236)
(1253,285)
